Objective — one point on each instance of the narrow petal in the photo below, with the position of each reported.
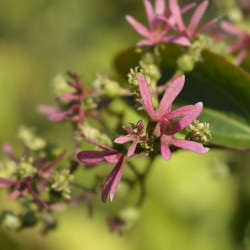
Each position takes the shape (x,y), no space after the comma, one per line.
(150,13)
(241,56)
(8,182)
(235,46)
(112,181)
(204,26)
(140,128)
(175,10)
(138,26)
(197,16)
(170,94)
(145,94)
(186,120)
(160,7)
(35,196)
(128,130)
(188,7)
(123,139)
(99,144)
(48,110)
(13,195)
(113,159)
(92,157)
(185,110)
(165,151)
(68,97)
(51,164)
(132,148)
(189,145)
(229,28)
(57,117)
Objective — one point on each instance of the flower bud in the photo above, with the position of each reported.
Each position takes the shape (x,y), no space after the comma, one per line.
(60,184)
(185,63)
(25,168)
(30,140)
(9,220)
(60,86)
(129,215)
(199,132)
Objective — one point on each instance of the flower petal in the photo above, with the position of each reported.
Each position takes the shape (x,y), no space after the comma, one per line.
(165,151)
(92,157)
(186,120)
(231,29)
(150,13)
(140,128)
(235,46)
(176,12)
(48,110)
(128,130)
(123,139)
(13,195)
(189,145)
(132,148)
(177,39)
(51,164)
(197,17)
(241,56)
(57,117)
(138,26)
(170,94)
(8,182)
(204,26)
(113,159)
(160,7)
(99,144)
(35,196)
(185,110)
(145,94)
(112,181)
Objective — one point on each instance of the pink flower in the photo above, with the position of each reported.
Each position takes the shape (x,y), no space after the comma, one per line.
(133,136)
(24,186)
(75,112)
(243,46)
(166,135)
(111,156)
(158,29)
(188,32)
(164,115)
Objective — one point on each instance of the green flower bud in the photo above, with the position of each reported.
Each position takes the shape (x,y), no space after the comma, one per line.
(30,140)
(199,132)
(107,87)
(60,86)
(25,168)
(130,215)
(185,63)
(59,184)
(10,221)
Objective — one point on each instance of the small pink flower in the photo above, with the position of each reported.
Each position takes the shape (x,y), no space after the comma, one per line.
(243,46)
(158,29)
(166,135)
(111,156)
(164,113)
(133,136)
(188,32)
(23,188)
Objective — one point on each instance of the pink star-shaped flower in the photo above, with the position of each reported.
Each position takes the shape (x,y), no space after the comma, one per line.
(164,115)
(133,136)
(243,46)
(157,28)
(111,156)
(179,26)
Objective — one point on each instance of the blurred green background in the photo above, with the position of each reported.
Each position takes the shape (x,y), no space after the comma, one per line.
(194,202)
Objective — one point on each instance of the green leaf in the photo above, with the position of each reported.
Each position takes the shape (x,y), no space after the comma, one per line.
(223,88)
